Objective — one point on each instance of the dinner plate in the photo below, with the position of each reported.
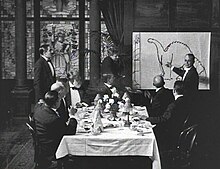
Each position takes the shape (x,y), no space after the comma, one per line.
(139,108)
(82,130)
(143,131)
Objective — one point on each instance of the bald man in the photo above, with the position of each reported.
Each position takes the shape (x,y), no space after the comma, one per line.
(63,108)
(162,98)
(159,103)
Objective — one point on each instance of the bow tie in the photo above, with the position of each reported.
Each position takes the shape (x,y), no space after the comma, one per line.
(74,88)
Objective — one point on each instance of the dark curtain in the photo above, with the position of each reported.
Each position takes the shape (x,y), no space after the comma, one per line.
(113,13)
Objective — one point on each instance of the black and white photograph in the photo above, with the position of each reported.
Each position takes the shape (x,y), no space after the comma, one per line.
(113,84)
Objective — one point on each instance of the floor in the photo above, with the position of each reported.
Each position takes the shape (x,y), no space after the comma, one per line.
(16,149)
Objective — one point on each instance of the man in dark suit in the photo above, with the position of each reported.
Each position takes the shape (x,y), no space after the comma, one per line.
(189,75)
(106,86)
(158,104)
(161,99)
(44,73)
(173,118)
(50,128)
(63,110)
(109,64)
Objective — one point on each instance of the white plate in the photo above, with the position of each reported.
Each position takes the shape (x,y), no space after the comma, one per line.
(139,108)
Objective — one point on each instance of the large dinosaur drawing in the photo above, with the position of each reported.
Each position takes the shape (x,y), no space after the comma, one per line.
(174,53)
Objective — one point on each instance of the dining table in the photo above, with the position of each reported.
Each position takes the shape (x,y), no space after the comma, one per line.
(133,142)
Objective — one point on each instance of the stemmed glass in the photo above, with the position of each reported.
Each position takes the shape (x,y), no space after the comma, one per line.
(87,127)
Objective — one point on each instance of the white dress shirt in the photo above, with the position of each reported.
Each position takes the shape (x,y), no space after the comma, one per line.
(75,96)
(109,86)
(186,71)
(177,96)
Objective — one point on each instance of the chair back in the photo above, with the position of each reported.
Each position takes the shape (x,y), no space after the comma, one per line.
(32,131)
(181,157)
(31,128)
(186,121)
(187,139)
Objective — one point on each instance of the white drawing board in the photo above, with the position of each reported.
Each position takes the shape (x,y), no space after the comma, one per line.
(151,51)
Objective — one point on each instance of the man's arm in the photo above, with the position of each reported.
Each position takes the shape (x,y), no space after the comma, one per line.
(37,82)
(178,71)
(166,116)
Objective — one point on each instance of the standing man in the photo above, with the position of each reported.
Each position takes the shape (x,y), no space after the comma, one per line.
(44,73)
(109,64)
(189,75)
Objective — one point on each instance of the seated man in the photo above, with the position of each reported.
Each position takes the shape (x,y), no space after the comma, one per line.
(161,99)
(50,128)
(63,110)
(76,96)
(172,119)
(106,86)
(158,104)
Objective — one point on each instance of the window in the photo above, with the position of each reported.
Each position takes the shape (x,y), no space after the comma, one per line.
(59,25)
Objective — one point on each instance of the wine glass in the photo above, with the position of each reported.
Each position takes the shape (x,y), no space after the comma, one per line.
(87,127)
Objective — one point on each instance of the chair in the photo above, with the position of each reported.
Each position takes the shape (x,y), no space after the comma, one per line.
(181,156)
(35,143)
(186,121)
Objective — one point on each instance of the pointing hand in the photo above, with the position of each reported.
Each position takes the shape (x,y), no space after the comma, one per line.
(168,64)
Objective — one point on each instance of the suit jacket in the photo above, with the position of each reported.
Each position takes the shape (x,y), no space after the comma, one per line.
(172,122)
(82,92)
(50,129)
(43,78)
(162,98)
(63,110)
(191,81)
(109,66)
(104,90)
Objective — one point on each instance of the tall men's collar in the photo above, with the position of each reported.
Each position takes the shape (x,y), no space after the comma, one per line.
(56,112)
(177,96)
(70,84)
(108,85)
(187,68)
(44,57)
(157,89)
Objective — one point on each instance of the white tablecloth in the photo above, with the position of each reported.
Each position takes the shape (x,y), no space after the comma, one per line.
(111,142)
(120,141)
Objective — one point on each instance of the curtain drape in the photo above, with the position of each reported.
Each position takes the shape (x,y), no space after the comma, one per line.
(113,13)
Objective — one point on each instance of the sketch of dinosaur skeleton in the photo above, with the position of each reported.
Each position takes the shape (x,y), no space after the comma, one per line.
(161,51)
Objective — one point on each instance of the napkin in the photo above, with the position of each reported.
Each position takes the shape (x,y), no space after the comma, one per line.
(96,119)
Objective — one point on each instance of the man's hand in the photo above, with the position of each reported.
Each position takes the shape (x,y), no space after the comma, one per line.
(143,117)
(41,101)
(147,94)
(72,110)
(168,64)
